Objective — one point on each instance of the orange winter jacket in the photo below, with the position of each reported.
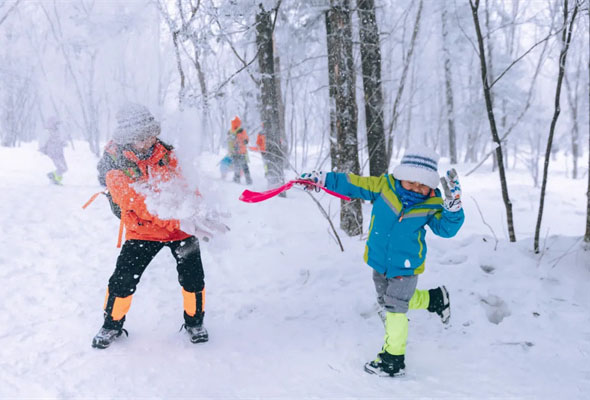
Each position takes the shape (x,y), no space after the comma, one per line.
(139,223)
(237,141)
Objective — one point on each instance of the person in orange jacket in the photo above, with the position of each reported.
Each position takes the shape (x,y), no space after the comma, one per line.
(237,142)
(135,157)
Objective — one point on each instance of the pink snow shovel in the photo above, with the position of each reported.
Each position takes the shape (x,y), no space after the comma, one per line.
(249,196)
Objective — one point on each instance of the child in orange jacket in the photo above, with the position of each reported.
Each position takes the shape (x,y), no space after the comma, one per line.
(137,156)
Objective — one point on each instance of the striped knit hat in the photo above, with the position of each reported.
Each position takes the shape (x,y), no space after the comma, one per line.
(135,123)
(419,164)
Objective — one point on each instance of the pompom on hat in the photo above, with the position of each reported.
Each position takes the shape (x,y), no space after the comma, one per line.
(419,164)
(135,123)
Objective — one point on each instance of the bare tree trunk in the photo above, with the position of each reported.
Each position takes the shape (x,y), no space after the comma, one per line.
(449,90)
(90,127)
(280,103)
(472,132)
(332,43)
(182,89)
(572,98)
(205,108)
(400,91)
(341,67)
(566,38)
(491,118)
(587,235)
(275,157)
(372,86)
(490,64)
(406,139)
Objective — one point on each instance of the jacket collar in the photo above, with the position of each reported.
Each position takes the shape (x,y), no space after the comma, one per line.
(157,153)
(430,202)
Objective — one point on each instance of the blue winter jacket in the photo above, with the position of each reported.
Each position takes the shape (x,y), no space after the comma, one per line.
(396,244)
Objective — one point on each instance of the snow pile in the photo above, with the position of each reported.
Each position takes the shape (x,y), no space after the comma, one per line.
(289,315)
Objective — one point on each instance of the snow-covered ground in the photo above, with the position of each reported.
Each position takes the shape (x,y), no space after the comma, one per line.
(289,315)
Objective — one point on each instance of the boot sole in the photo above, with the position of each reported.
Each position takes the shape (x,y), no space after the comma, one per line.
(381,373)
(200,339)
(446,313)
(99,345)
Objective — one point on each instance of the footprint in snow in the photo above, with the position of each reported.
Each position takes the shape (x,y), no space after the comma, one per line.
(496,308)
(454,259)
(245,311)
(488,269)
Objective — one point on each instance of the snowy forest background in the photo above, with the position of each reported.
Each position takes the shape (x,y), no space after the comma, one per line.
(335,85)
(359,80)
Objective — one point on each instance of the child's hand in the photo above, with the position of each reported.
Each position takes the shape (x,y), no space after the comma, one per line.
(452,191)
(318,177)
(203,227)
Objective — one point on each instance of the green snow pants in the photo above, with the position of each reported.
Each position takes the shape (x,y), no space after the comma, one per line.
(397,296)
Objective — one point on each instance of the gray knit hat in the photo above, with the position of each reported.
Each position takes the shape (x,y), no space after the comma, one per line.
(134,124)
(419,164)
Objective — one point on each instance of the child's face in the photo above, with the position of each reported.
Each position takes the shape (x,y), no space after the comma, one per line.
(416,187)
(144,145)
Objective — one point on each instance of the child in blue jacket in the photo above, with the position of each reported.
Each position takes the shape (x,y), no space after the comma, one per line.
(403,204)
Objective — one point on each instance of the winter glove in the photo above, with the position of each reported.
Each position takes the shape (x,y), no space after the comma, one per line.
(452,191)
(193,228)
(204,228)
(318,177)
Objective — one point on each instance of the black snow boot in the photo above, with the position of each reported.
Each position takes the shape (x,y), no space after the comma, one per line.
(194,327)
(440,303)
(105,337)
(197,333)
(387,365)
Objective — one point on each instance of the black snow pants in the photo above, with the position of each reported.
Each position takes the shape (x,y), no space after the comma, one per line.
(133,260)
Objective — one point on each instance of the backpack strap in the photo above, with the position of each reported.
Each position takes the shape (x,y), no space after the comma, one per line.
(93,197)
(121,228)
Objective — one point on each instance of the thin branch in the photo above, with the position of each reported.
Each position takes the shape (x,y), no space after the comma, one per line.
(521,57)
(465,33)
(325,214)
(9,11)
(485,223)
(558,259)
(253,58)
(233,49)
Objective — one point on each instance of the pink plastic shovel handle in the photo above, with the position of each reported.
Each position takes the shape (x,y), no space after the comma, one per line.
(249,196)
